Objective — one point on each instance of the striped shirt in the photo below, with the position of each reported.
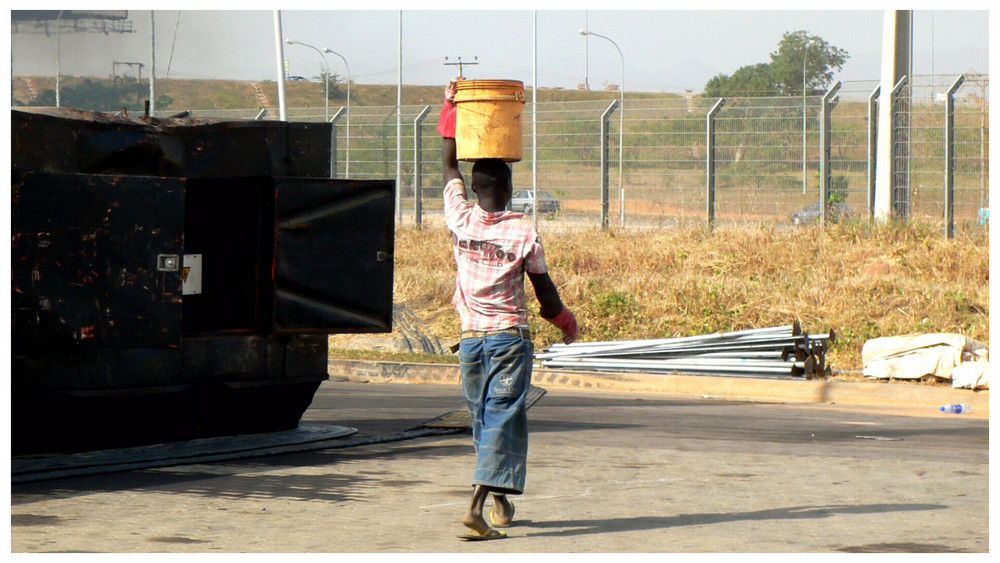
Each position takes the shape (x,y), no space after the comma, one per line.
(492,253)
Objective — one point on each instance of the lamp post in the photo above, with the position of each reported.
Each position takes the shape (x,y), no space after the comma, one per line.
(326,70)
(347,160)
(805,55)
(621,123)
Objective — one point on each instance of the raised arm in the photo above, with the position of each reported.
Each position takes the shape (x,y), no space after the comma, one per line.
(449,160)
(446,127)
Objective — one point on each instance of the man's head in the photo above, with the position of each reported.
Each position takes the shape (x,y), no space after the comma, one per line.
(491,180)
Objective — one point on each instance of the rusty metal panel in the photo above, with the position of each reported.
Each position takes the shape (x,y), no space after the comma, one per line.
(95,260)
(333,255)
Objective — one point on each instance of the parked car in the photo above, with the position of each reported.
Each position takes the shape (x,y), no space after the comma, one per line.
(834,212)
(297,79)
(525,203)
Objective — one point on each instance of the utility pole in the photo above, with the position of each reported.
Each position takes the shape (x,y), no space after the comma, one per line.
(152,64)
(58,54)
(279,51)
(459,62)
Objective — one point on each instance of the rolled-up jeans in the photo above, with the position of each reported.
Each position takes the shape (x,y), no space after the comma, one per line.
(496,374)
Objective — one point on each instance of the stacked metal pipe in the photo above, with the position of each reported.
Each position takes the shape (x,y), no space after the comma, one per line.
(776,352)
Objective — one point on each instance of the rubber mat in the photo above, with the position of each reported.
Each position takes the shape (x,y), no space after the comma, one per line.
(459,417)
(305,438)
(303,434)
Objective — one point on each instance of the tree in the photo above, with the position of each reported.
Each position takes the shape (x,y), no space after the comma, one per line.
(751,80)
(819,58)
(783,75)
(335,81)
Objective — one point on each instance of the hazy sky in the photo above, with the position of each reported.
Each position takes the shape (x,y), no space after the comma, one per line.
(664,51)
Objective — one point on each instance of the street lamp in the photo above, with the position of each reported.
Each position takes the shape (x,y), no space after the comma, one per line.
(347,160)
(326,70)
(621,124)
(805,55)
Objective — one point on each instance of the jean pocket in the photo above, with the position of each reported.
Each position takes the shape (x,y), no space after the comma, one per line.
(473,377)
(508,377)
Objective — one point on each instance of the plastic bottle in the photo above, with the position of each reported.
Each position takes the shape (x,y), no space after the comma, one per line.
(955,409)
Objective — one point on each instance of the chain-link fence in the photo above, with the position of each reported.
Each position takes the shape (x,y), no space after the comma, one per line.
(926,164)
(768,155)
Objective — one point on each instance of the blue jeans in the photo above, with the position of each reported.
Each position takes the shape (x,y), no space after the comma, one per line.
(496,374)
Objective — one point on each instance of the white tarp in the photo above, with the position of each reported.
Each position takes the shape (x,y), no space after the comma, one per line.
(920,355)
(971,375)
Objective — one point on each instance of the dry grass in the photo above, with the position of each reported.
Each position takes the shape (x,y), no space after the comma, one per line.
(859,280)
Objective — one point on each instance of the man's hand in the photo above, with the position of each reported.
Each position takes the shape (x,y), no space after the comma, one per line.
(449,90)
(567,324)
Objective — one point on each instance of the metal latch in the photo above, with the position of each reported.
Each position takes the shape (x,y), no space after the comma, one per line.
(168,263)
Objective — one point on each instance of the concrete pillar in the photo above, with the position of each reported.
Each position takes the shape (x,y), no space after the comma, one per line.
(896,46)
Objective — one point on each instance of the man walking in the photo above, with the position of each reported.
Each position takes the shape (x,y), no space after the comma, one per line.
(493,250)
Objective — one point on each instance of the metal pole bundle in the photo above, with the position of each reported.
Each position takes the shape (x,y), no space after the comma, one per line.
(784,351)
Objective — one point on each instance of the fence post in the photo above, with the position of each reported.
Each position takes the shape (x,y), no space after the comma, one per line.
(417,180)
(333,142)
(872,148)
(829,102)
(710,161)
(890,130)
(949,158)
(900,183)
(605,192)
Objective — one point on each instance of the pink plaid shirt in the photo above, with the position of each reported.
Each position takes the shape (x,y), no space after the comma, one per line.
(492,252)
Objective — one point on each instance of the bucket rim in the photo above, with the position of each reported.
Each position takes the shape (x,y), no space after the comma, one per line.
(462,101)
(467,84)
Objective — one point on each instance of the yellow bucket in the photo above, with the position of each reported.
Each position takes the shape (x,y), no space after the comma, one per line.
(488,119)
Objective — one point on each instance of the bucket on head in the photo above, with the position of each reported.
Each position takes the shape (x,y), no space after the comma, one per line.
(488,119)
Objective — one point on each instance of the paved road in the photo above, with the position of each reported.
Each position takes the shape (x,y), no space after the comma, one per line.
(607,473)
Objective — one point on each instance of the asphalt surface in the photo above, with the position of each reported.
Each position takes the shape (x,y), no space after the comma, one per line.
(618,472)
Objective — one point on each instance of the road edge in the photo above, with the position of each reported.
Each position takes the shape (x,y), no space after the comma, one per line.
(874,394)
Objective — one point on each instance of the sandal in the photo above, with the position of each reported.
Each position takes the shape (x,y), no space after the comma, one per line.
(509,522)
(490,534)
